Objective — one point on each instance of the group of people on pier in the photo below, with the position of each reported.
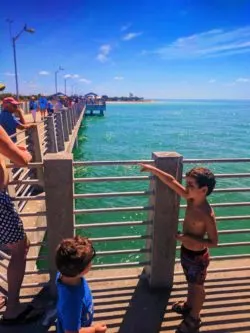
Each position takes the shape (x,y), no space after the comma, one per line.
(74,256)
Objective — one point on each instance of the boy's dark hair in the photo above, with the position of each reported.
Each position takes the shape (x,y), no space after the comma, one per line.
(203,177)
(73,255)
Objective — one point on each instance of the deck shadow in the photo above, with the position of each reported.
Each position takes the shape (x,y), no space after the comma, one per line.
(146,309)
(43,301)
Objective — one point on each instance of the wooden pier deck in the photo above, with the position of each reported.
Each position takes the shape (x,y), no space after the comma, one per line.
(129,306)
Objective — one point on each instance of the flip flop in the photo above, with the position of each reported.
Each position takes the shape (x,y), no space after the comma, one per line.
(30,314)
(4,298)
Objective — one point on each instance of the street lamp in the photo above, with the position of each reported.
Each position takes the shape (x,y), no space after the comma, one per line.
(72,88)
(65,84)
(14,39)
(59,69)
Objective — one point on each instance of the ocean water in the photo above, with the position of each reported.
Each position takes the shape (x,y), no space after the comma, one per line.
(195,129)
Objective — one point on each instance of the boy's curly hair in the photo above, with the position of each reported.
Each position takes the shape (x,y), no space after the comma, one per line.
(203,177)
(73,255)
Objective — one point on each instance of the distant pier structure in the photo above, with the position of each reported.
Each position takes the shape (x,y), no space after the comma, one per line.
(95,105)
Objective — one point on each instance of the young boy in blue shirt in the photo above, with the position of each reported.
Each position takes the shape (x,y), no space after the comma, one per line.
(75,304)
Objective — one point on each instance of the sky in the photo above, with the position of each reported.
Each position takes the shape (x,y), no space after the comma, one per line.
(188,49)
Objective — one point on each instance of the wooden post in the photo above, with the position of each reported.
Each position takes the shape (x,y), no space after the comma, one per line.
(58,184)
(59,131)
(65,125)
(165,222)
(51,132)
(35,147)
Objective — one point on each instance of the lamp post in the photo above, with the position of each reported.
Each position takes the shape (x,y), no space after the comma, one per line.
(14,39)
(59,69)
(65,84)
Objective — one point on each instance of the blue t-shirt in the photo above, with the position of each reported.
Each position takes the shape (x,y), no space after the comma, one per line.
(50,106)
(9,122)
(43,102)
(33,105)
(74,306)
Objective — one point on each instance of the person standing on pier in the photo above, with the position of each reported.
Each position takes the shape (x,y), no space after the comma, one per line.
(8,121)
(75,304)
(12,236)
(199,222)
(33,108)
(42,103)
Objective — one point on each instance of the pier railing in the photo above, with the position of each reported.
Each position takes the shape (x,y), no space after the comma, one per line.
(52,135)
(146,237)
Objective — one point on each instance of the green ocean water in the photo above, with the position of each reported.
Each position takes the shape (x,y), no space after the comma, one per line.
(195,129)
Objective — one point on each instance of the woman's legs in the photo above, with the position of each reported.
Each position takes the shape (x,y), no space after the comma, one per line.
(33,112)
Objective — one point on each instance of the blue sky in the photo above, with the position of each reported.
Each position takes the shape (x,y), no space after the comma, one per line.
(155,49)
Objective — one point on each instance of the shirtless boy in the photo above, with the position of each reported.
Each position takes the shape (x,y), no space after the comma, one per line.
(199,234)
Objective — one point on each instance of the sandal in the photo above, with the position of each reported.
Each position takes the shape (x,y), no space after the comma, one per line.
(181,308)
(189,325)
(30,314)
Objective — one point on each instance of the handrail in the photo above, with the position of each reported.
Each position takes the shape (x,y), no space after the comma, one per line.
(215,160)
(112,224)
(112,194)
(115,209)
(103,163)
(111,179)
(185,161)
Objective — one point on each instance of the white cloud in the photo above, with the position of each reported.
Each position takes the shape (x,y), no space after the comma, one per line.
(212,43)
(44,73)
(212,81)
(85,81)
(118,78)
(132,35)
(9,74)
(126,26)
(243,79)
(72,76)
(103,53)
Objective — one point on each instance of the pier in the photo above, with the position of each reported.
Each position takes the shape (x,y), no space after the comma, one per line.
(131,296)
(94,105)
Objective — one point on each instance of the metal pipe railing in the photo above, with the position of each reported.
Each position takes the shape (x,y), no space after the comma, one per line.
(112,224)
(112,194)
(110,179)
(109,210)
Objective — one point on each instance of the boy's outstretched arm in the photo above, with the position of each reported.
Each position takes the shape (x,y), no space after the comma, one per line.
(166,179)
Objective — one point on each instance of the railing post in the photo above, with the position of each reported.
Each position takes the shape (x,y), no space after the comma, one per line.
(36,152)
(59,131)
(72,116)
(51,133)
(58,184)
(69,120)
(65,125)
(165,222)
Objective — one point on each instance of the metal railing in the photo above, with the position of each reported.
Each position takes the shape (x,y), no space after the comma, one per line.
(98,226)
(124,234)
(22,184)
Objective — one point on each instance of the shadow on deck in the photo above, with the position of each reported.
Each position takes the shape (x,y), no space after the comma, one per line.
(129,306)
